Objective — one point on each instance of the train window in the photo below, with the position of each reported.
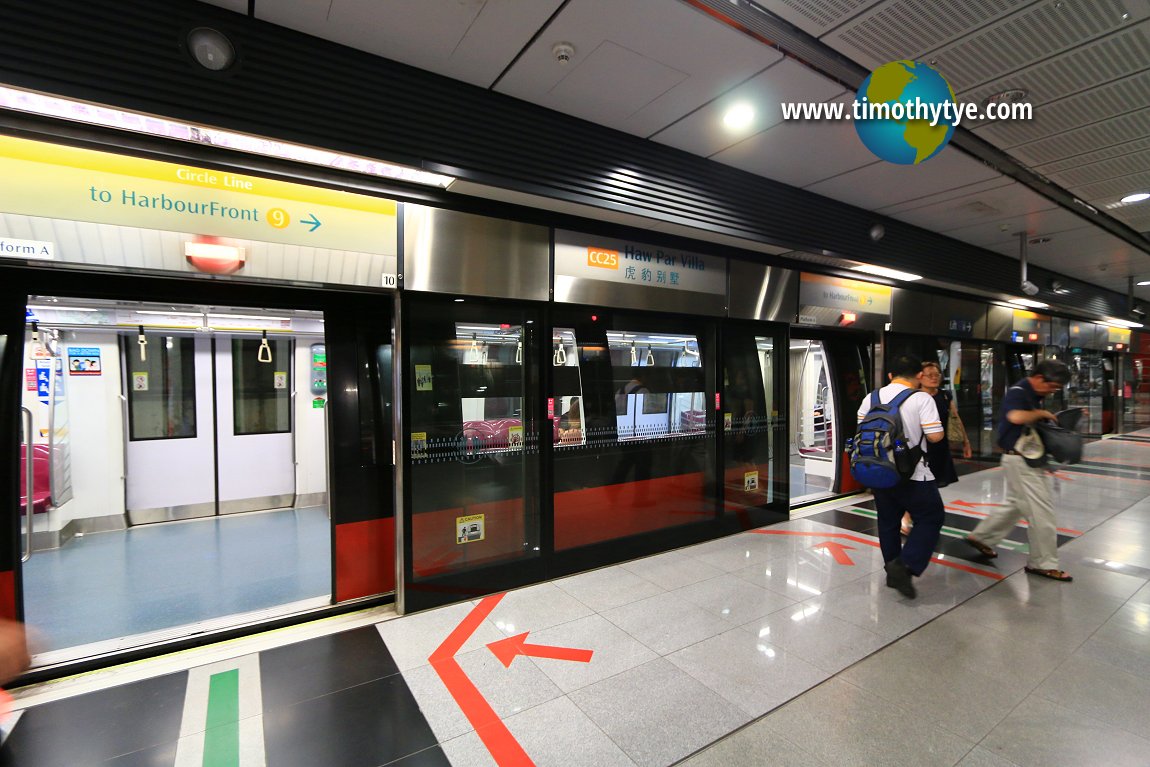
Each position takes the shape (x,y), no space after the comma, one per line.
(162,389)
(654,398)
(261,386)
(492,417)
(568,389)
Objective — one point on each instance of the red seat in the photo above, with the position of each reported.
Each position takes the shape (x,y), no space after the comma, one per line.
(41,487)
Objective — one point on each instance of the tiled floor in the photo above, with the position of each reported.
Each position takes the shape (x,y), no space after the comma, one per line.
(778,646)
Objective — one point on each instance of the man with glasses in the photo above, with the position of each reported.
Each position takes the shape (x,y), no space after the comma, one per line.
(1027,487)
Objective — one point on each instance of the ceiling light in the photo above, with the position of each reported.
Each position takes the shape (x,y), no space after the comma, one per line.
(1027,302)
(136,122)
(883,271)
(1011,96)
(739,116)
(1123,324)
(1038,241)
(1136,197)
(1144,282)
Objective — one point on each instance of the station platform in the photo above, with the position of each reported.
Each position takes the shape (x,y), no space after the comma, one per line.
(778,646)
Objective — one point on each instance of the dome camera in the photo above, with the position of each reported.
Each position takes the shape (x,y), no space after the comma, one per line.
(1029,288)
(877,231)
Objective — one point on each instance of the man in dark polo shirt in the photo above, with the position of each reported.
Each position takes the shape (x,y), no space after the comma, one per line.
(1027,487)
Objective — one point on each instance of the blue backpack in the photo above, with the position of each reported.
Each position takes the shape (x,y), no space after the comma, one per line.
(879,455)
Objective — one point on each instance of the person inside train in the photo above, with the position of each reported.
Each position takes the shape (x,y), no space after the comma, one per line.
(571,424)
(938,454)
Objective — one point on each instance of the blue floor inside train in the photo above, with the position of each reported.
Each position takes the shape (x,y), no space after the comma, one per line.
(800,486)
(153,577)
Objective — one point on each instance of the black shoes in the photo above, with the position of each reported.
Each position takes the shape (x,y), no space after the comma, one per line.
(898,577)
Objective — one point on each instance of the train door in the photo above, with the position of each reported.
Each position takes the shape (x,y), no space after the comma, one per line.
(829,374)
(645,465)
(754,409)
(472,507)
(239,456)
(151,429)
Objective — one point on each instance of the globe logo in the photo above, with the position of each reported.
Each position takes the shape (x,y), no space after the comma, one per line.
(896,102)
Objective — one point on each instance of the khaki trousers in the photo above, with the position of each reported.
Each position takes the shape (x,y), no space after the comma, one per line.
(1028,497)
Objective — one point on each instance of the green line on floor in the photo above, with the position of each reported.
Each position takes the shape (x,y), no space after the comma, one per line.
(222,733)
(950,532)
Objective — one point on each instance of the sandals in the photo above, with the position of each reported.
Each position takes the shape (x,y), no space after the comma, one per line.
(1054,575)
(983,549)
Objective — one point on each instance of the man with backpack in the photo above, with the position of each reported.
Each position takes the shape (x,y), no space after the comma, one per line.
(887,454)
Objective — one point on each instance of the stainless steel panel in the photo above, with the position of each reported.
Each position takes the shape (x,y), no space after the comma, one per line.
(947,312)
(310,499)
(1101,337)
(170,513)
(910,311)
(572,290)
(999,322)
(761,292)
(445,251)
(239,505)
(1059,332)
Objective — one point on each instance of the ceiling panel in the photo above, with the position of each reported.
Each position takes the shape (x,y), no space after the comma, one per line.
(1085,108)
(906,28)
(712,57)
(1053,223)
(1098,155)
(1031,34)
(971,190)
(1087,66)
(1115,188)
(1127,164)
(816,17)
(886,183)
(1127,127)
(702,132)
(801,153)
(1003,204)
(469,40)
(239,6)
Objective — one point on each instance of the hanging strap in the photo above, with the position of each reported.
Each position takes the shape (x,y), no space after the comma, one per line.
(265,352)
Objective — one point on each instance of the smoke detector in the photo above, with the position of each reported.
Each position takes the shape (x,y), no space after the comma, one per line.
(563,52)
(1012,96)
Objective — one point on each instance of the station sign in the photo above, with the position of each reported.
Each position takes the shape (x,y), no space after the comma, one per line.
(843,294)
(54,181)
(587,257)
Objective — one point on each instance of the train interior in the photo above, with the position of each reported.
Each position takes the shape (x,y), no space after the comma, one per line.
(178,471)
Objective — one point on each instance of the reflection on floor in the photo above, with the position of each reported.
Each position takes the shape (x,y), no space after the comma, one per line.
(154,577)
(776,646)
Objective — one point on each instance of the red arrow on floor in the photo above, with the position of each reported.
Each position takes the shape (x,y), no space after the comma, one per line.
(506,650)
(837,550)
(970,505)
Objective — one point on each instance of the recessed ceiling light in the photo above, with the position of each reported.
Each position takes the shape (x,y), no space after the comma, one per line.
(739,116)
(1027,302)
(1038,241)
(1011,96)
(1136,197)
(1144,282)
(1123,323)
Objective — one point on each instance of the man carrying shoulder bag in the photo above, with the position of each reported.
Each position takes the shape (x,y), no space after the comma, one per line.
(1027,487)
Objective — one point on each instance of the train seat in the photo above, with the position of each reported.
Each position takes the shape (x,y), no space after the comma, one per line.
(41,486)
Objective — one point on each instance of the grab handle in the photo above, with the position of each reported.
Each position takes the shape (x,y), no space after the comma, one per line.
(265,352)
(29,476)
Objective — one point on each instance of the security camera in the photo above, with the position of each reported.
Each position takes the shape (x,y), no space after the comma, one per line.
(1029,288)
(563,52)
(877,231)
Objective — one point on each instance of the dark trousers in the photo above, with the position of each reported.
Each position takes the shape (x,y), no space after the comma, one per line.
(924,503)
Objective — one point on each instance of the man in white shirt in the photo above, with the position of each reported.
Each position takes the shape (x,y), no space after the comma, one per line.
(918,494)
